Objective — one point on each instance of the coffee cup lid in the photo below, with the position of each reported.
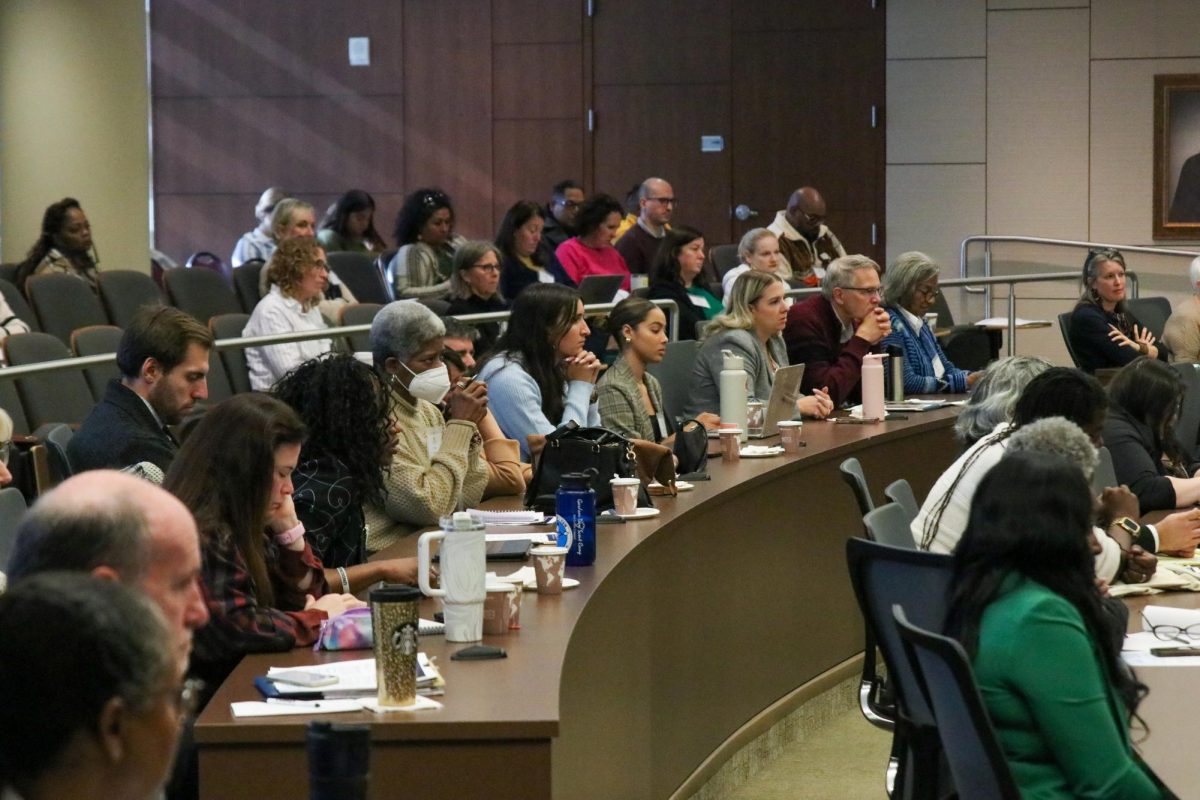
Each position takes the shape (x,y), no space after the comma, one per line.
(790,423)
(548,550)
(625,481)
(724,431)
(395,593)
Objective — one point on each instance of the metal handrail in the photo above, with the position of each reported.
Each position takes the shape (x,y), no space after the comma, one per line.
(79,362)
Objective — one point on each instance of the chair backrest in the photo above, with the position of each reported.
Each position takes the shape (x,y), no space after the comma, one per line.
(61,396)
(1064,327)
(942,308)
(209,261)
(437,305)
(1105,474)
(57,438)
(358,271)
(973,752)
(1151,312)
(245,283)
(63,303)
(724,258)
(124,291)
(888,525)
(93,341)
(900,492)
(230,326)
(8,272)
(200,292)
(10,401)
(852,474)
(16,301)
(884,576)
(219,386)
(358,314)
(674,372)
(12,508)
(1187,429)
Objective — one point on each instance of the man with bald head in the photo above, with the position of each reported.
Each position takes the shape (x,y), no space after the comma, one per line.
(656,204)
(805,243)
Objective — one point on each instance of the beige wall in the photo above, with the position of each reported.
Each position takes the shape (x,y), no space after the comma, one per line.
(1030,117)
(73,122)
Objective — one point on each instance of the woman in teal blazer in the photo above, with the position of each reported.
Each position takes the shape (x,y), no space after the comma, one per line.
(1046,653)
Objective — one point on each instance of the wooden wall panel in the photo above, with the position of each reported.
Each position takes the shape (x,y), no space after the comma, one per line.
(536,21)
(530,157)
(665,42)
(807,15)
(537,81)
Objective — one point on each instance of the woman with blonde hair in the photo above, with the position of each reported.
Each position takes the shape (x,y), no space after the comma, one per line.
(751,329)
(759,250)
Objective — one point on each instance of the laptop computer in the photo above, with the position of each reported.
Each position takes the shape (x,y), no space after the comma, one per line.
(785,391)
(599,288)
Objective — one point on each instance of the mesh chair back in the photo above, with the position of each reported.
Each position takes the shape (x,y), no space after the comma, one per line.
(1187,429)
(93,341)
(1151,312)
(209,261)
(230,326)
(358,271)
(674,372)
(1064,327)
(944,672)
(358,314)
(724,258)
(200,292)
(852,474)
(889,525)
(124,291)
(63,303)
(12,508)
(245,284)
(61,396)
(900,492)
(16,301)
(57,438)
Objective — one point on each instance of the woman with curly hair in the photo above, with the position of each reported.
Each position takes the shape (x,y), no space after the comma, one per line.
(425,235)
(65,245)
(298,275)
(349,447)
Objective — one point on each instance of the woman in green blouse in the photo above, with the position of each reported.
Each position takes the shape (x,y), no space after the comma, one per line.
(1046,653)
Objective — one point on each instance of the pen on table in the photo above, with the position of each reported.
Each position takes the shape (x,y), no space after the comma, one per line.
(286,701)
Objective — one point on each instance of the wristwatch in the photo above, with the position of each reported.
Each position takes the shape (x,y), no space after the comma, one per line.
(1141,534)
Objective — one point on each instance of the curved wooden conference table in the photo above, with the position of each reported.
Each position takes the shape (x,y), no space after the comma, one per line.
(693,633)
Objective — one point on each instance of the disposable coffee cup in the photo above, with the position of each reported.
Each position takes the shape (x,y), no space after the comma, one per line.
(395,620)
(625,494)
(514,606)
(731,444)
(549,563)
(790,431)
(756,418)
(496,610)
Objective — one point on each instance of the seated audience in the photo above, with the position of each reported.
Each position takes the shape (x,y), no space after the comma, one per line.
(1182,331)
(639,244)
(630,398)
(909,289)
(259,243)
(65,245)
(437,466)
(540,376)
(264,587)
(163,358)
(297,219)
(298,275)
(350,225)
(1103,334)
(343,465)
(10,324)
(91,700)
(674,276)
(751,330)
(590,251)
(523,259)
(461,338)
(425,234)
(565,200)
(633,207)
(758,249)
(1145,400)
(1044,650)
(474,288)
(832,331)
(995,396)
(806,244)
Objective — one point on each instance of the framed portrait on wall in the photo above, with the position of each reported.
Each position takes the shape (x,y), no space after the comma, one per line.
(1177,156)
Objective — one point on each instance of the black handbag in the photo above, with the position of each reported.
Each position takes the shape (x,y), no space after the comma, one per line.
(691,450)
(575,449)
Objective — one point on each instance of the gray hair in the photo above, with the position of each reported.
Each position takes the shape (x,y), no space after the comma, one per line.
(1057,436)
(904,275)
(466,256)
(1194,272)
(746,291)
(281,217)
(457,329)
(750,241)
(401,329)
(840,273)
(994,397)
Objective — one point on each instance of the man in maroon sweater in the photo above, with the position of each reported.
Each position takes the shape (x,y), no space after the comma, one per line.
(832,331)
(640,243)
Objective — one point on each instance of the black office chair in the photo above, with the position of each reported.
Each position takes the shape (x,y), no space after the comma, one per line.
(358,271)
(883,576)
(1105,474)
(852,474)
(967,346)
(674,372)
(124,291)
(889,525)
(900,492)
(1151,312)
(245,283)
(1187,429)
(1064,327)
(724,257)
(972,750)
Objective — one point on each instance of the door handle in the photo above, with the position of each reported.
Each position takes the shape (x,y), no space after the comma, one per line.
(744,212)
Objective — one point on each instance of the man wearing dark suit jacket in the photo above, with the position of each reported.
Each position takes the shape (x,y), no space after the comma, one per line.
(163,358)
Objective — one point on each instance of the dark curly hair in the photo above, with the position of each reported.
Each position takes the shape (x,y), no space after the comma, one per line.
(346,410)
(417,209)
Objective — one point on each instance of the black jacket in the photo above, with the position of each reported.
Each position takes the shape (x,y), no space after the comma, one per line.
(1138,461)
(689,314)
(1089,338)
(120,432)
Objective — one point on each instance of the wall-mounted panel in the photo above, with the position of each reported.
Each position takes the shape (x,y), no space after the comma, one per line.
(932,208)
(937,111)
(960,30)
(1145,28)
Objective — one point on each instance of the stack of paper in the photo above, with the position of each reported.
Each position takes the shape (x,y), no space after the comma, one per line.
(507,517)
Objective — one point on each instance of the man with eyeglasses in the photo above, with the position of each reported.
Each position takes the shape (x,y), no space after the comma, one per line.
(830,332)
(639,245)
(560,215)
(805,243)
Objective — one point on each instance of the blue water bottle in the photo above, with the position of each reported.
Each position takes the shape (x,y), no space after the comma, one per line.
(575,504)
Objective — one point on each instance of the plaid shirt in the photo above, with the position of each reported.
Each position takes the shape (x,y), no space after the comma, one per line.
(238,624)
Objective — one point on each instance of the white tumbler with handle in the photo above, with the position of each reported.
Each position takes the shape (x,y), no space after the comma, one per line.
(463,571)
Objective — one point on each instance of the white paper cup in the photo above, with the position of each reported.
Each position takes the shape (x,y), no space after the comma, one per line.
(625,494)
(731,443)
(790,431)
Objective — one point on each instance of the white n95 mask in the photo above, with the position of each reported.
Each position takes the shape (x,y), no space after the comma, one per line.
(431,385)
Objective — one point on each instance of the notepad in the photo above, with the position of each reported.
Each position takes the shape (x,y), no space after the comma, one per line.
(507,517)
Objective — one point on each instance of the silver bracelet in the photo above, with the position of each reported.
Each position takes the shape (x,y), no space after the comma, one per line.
(345,580)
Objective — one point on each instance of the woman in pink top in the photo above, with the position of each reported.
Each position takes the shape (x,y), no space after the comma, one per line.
(591,251)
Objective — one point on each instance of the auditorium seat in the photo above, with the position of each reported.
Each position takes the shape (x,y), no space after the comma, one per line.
(60,396)
(852,474)
(12,508)
(245,283)
(358,271)
(888,525)
(209,261)
(219,386)
(93,341)
(16,301)
(8,272)
(674,372)
(57,437)
(230,326)
(724,257)
(124,291)
(358,314)
(900,492)
(63,303)
(10,401)
(200,292)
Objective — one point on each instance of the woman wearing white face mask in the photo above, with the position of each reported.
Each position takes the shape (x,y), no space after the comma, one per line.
(438,462)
